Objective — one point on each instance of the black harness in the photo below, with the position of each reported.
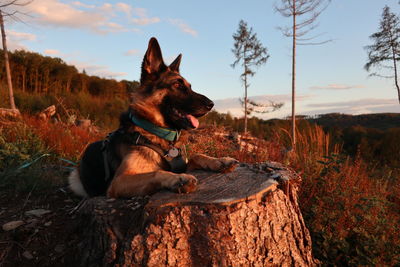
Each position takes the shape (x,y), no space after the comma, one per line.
(174,158)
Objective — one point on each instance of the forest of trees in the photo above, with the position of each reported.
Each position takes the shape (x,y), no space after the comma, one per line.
(38,74)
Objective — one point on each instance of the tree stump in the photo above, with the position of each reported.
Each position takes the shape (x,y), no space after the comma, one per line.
(249,217)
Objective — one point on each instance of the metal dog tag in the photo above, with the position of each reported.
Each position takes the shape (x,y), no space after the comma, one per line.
(173,152)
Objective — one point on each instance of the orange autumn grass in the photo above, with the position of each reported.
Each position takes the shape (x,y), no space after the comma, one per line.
(350,208)
(349,211)
(64,140)
(348,205)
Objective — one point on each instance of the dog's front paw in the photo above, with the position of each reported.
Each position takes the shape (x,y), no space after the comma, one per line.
(224,165)
(182,183)
(203,162)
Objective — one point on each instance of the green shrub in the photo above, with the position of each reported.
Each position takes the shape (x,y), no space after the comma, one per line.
(19,144)
(24,160)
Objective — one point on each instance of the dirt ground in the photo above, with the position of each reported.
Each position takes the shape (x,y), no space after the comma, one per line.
(47,234)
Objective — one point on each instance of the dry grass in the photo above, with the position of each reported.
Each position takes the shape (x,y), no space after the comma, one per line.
(63,139)
(351,208)
(351,211)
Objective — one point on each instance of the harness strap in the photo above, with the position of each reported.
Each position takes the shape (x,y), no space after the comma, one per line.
(176,164)
(104,147)
(106,166)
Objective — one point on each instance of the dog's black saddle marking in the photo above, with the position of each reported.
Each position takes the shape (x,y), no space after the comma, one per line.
(176,164)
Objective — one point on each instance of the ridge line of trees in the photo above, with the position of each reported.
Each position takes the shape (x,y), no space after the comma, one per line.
(38,74)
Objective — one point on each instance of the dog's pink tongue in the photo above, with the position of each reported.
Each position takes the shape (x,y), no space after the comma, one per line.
(193,120)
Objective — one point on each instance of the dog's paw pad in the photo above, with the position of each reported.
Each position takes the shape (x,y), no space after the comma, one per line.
(184,183)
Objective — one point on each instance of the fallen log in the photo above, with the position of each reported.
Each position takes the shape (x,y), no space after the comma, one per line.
(84,123)
(9,113)
(249,217)
(47,113)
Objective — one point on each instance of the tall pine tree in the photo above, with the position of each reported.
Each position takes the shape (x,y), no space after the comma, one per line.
(250,53)
(385,50)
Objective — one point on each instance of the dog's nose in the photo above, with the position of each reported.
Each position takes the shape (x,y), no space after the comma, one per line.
(210,105)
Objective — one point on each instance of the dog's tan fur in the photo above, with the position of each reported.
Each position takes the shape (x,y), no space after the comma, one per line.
(142,170)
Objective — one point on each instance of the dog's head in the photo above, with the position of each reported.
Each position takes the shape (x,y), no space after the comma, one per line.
(165,98)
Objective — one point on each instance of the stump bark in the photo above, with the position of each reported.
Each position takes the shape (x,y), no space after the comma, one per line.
(249,217)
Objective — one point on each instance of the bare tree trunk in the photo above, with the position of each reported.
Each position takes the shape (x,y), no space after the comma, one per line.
(245,105)
(294,79)
(37,81)
(7,63)
(24,81)
(395,73)
(249,217)
(245,92)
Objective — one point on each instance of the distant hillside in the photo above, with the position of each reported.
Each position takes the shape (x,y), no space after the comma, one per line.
(43,75)
(381,121)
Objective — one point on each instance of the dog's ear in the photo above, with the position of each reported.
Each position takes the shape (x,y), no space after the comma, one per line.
(174,66)
(153,62)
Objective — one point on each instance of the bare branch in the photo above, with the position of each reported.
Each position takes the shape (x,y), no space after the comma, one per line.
(380,75)
(315,43)
(16,3)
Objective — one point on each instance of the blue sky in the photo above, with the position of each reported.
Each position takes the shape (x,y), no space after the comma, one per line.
(109,38)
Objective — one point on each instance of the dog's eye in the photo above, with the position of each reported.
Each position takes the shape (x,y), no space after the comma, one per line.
(176,85)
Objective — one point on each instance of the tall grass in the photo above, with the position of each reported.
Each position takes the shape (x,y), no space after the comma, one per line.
(65,140)
(351,213)
(31,151)
(350,207)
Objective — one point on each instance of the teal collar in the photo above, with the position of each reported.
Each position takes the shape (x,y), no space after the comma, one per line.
(165,133)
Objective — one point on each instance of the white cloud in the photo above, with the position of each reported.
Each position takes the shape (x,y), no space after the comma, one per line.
(107,8)
(13,45)
(98,70)
(56,13)
(21,36)
(124,8)
(80,4)
(15,39)
(132,52)
(183,26)
(142,18)
(335,86)
(145,21)
(51,52)
(141,12)
(115,27)
(360,106)
(79,15)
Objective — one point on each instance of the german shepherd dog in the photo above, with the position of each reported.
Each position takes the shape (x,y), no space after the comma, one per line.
(146,154)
